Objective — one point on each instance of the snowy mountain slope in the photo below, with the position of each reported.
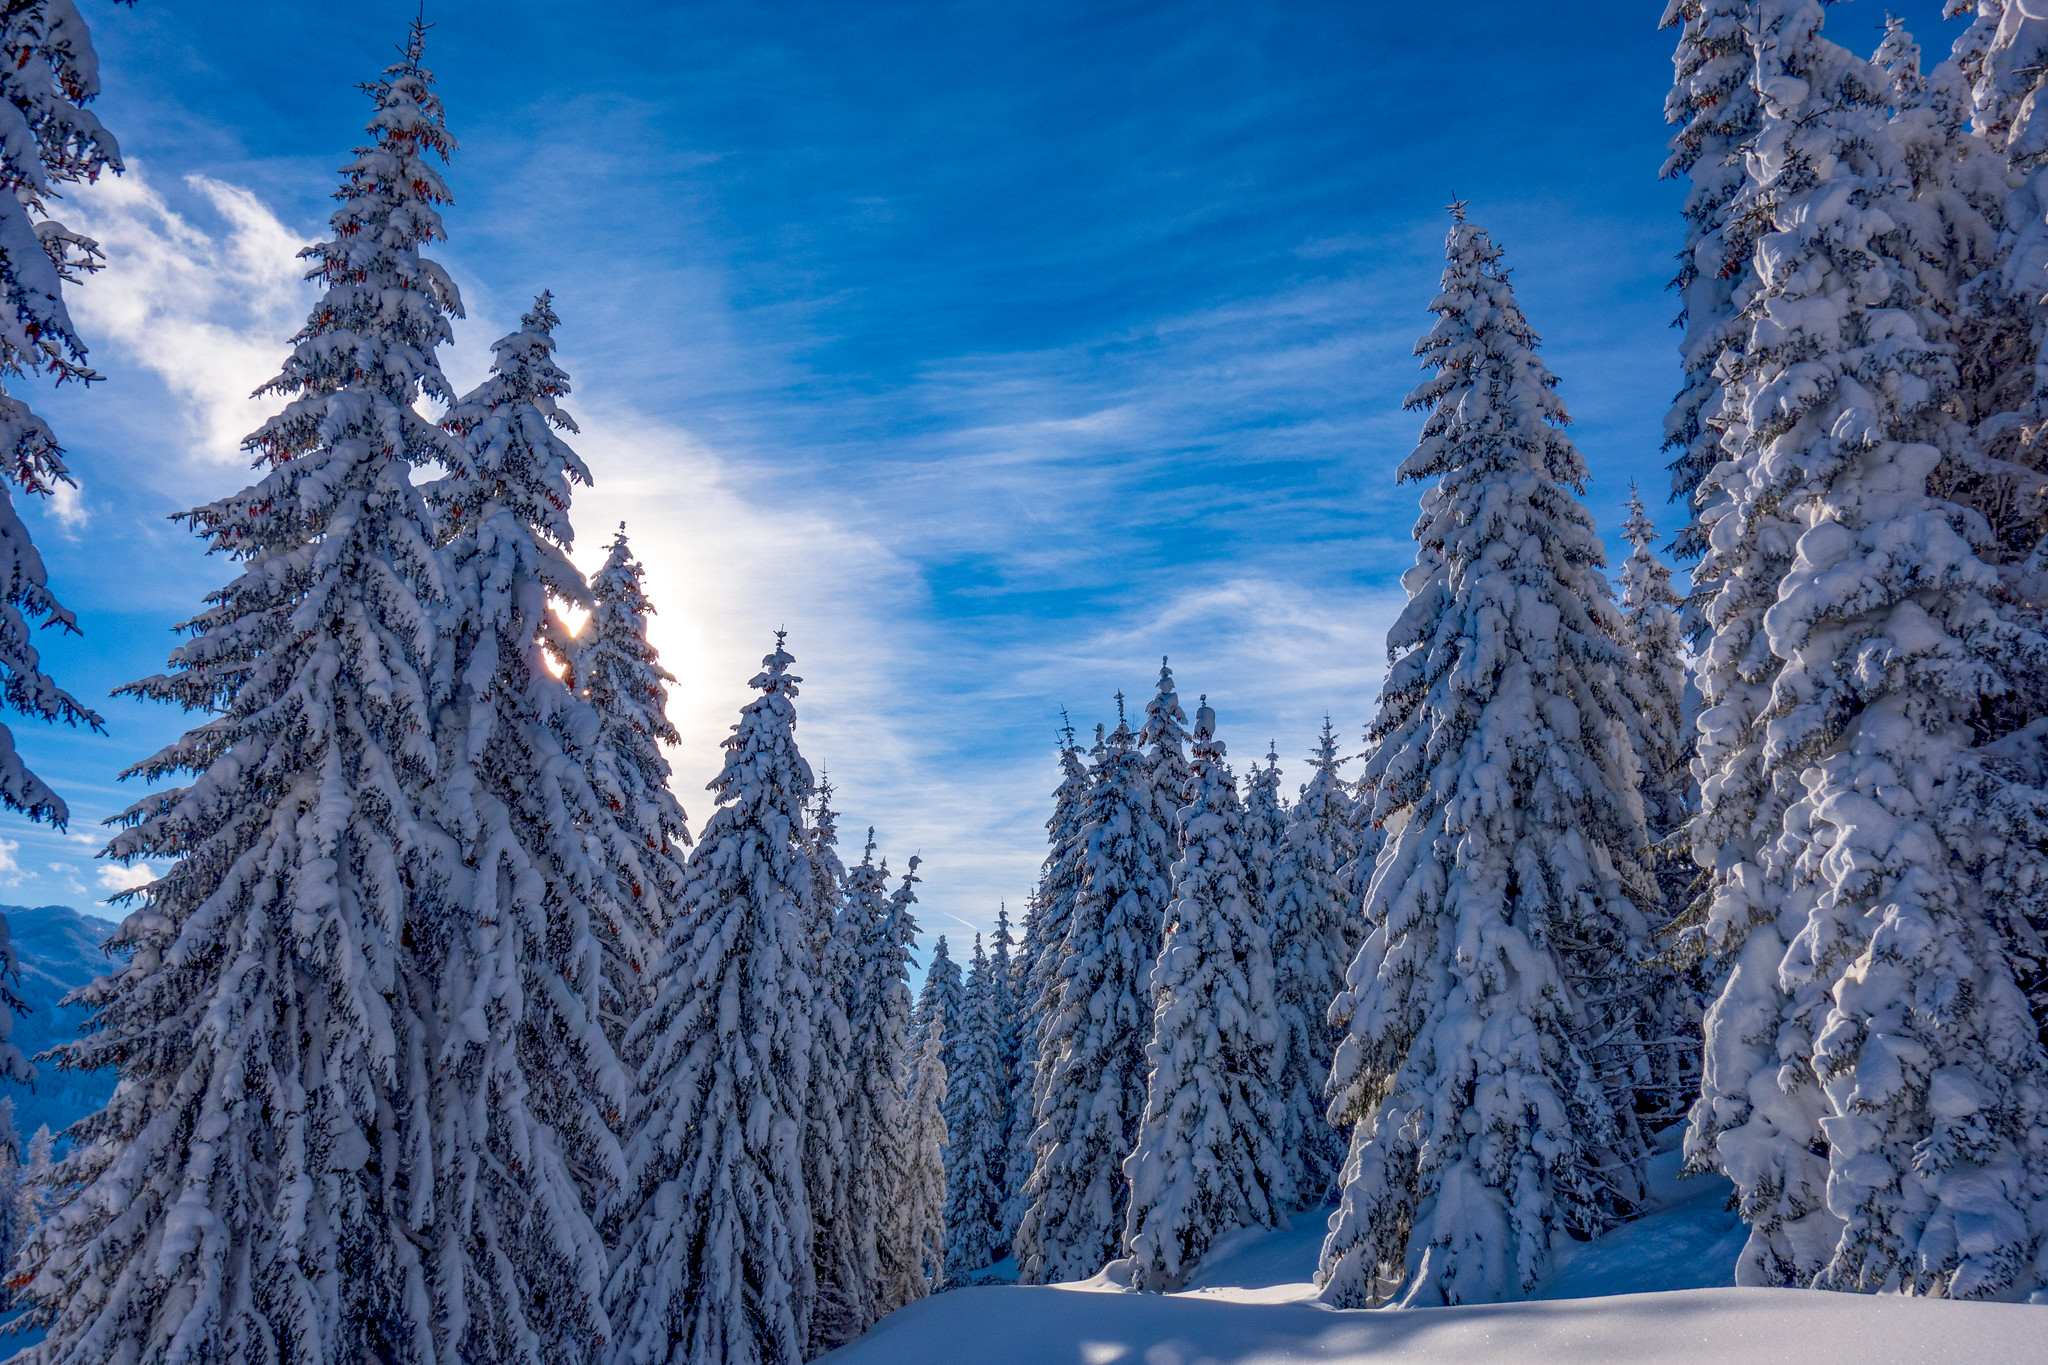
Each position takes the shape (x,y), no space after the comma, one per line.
(59,949)
(1655,1290)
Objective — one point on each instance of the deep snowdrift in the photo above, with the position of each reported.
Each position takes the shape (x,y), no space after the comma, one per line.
(1653,1291)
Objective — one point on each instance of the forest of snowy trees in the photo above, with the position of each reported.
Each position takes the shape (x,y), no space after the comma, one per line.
(442,1039)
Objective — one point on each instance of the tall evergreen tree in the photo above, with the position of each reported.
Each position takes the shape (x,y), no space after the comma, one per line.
(1713,105)
(904,1227)
(1052,909)
(1656,675)
(1164,740)
(50,75)
(943,997)
(1313,943)
(868,1094)
(844,1281)
(646,837)
(1872,1024)
(1490,1062)
(922,1201)
(1092,1045)
(1651,640)
(1006,1045)
(976,1096)
(1265,827)
(535,1095)
(268,1178)
(713,1260)
(1207,1161)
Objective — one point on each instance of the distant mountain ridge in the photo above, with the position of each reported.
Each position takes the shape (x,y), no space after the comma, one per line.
(59,950)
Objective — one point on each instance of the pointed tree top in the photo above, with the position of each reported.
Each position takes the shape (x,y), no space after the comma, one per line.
(775,675)
(1456,208)
(1119,708)
(541,318)
(1638,528)
(1066,730)
(416,38)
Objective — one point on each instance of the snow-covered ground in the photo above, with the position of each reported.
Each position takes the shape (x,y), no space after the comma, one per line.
(1657,1290)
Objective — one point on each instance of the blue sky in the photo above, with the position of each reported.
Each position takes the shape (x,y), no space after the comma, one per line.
(993,349)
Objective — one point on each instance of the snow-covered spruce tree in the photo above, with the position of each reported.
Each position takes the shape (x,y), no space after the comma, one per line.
(944,997)
(975,1099)
(34,1186)
(266,1181)
(1872,1028)
(1207,1161)
(1312,945)
(1265,827)
(534,1093)
(646,836)
(849,1254)
(50,75)
(713,1258)
(1164,740)
(923,1196)
(1099,1018)
(1007,1045)
(905,1233)
(844,1285)
(1492,1053)
(1714,107)
(1656,675)
(1052,908)
(1652,642)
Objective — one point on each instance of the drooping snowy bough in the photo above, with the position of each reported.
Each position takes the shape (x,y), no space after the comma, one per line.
(1493,1046)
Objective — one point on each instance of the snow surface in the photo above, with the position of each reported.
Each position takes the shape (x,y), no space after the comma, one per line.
(1656,1290)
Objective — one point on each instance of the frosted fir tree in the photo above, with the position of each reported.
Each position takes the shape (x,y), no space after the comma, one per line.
(844,1283)
(1207,1161)
(1052,909)
(646,835)
(268,1179)
(976,1097)
(1493,1050)
(1713,105)
(1265,826)
(535,1093)
(1008,1045)
(1164,739)
(1872,1025)
(922,1199)
(904,1230)
(1655,679)
(942,997)
(713,1253)
(34,1185)
(51,74)
(1656,674)
(1981,251)
(847,1248)
(1099,1018)
(1313,943)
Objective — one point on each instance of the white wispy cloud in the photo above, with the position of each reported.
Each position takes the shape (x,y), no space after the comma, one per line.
(206,308)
